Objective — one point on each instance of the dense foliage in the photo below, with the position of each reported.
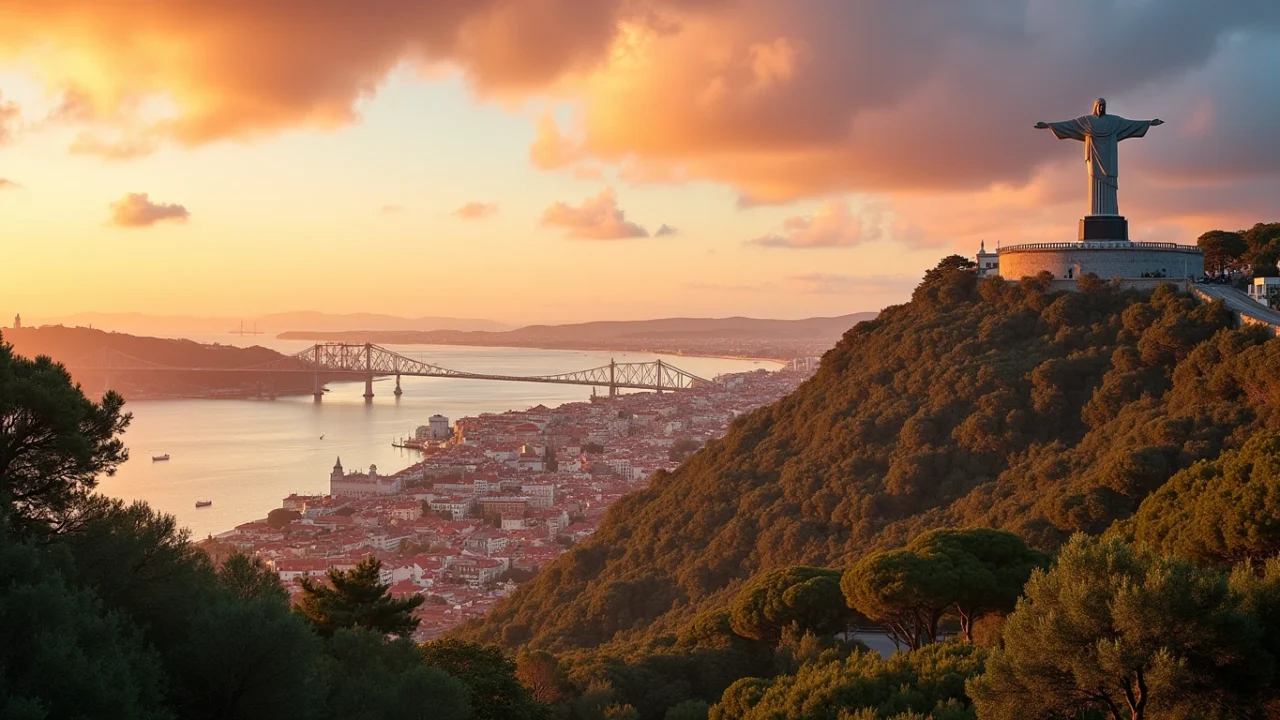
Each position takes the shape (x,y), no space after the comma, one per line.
(966,574)
(1220,510)
(978,403)
(1126,634)
(928,682)
(1256,249)
(357,599)
(107,610)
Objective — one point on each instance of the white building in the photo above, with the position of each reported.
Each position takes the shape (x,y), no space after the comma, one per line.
(541,496)
(357,484)
(988,262)
(1266,290)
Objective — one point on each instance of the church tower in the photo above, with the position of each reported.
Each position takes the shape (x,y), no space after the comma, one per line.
(17,321)
(337,473)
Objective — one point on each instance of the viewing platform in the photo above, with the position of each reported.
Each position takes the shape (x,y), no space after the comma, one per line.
(1107,259)
(1120,245)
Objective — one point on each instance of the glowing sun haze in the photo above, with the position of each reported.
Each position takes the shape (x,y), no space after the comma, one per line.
(529,160)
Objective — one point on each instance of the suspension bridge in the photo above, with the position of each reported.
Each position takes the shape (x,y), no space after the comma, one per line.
(368,361)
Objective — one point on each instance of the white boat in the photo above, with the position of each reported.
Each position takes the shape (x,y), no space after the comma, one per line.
(160,458)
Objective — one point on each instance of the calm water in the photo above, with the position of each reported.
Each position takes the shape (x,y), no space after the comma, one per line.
(245,455)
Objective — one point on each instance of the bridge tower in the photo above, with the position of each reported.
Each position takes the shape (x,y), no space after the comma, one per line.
(368,370)
(399,392)
(659,382)
(613,386)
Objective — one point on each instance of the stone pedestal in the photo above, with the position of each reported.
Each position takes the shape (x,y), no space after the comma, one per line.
(1104,227)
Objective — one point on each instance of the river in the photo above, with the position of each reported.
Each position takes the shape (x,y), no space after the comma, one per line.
(245,455)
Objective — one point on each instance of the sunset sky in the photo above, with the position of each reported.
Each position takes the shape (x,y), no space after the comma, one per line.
(566,160)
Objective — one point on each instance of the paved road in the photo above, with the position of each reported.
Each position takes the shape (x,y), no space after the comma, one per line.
(1241,303)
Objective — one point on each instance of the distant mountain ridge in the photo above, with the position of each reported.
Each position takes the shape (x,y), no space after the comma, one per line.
(181,325)
(696,333)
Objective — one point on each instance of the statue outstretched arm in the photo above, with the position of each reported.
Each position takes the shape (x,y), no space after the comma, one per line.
(1065,130)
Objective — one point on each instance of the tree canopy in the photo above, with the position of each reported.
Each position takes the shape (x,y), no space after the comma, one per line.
(1126,634)
(357,598)
(54,442)
(1221,510)
(803,598)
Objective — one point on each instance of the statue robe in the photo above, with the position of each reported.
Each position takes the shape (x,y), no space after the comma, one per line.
(1101,135)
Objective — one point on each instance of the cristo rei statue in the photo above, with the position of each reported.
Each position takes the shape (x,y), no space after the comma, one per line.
(1101,134)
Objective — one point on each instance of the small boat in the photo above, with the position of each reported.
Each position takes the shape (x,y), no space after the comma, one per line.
(322,437)
(203,503)
(160,458)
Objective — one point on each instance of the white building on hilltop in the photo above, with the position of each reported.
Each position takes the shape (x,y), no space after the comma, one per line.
(988,262)
(358,484)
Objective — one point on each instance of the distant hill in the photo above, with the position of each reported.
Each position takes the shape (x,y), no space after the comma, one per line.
(996,404)
(185,325)
(721,336)
(70,344)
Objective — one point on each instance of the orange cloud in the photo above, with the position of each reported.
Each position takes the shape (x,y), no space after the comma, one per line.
(781,100)
(136,210)
(9,114)
(476,210)
(241,68)
(7,184)
(832,225)
(550,149)
(597,218)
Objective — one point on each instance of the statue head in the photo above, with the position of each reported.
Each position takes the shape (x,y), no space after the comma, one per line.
(1100,107)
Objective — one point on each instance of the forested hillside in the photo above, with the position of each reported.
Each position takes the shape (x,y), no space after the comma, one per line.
(978,403)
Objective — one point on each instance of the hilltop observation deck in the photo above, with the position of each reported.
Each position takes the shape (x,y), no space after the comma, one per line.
(1125,259)
(1102,245)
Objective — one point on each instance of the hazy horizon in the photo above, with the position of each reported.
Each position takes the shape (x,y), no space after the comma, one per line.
(312,321)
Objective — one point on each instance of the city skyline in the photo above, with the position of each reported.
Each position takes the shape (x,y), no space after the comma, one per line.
(551,162)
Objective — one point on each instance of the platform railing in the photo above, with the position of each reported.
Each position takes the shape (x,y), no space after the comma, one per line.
(1103,245)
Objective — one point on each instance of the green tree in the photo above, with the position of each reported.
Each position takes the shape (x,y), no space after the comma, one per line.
(247,577)
(142,565)
(906,592)
(1219,510)
(280,518)
(248,659)
(358,599)
(365,677)
(490,677)
(1124,634)
(62,653)
(805,597)
(988,569)
(54,443)
(928,684)
(1223,250)
(539,672)
(1263,240)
